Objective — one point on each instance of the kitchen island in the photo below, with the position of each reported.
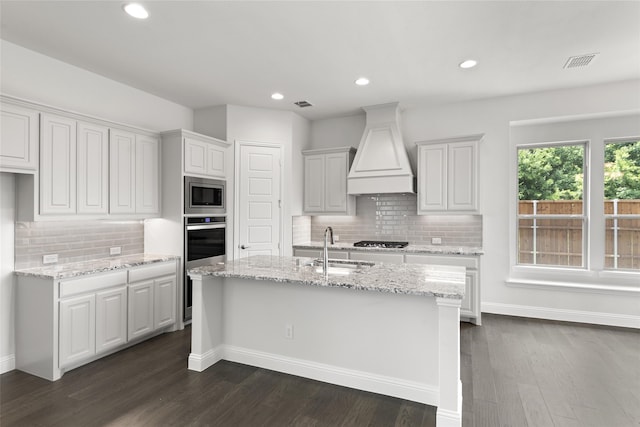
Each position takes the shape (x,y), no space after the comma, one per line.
(385,328)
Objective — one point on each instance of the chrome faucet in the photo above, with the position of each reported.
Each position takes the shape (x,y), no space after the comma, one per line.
(325,253)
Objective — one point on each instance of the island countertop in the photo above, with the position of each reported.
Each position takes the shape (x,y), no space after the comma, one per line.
(412,279)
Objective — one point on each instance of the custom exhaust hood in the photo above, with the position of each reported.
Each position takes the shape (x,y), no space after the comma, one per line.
(381,164)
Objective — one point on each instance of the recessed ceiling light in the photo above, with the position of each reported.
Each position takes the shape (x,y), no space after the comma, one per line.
(277,96)
(136,10)
(362,81)
(469,63)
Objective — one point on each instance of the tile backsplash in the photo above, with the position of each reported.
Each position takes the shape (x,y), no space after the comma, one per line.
(75,240)
(394,217)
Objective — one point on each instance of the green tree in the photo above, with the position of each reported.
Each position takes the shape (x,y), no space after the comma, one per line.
(622,170)
(551,173)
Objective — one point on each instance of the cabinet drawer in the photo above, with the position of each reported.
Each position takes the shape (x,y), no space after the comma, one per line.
(150,271)
(458,260)
(378,257)
(92,283)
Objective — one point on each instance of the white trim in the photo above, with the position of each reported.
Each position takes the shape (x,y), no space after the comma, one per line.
(390,386)
(200,362)
(568,286)
(447,418)
(7,363)
(592,317)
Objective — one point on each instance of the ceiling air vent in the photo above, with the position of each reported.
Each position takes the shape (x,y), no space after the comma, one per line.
(303,104)
(579,61)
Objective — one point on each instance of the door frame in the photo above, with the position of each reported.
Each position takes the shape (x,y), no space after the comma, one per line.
(236,194)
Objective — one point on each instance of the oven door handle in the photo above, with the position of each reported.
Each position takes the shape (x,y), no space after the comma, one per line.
(205,227)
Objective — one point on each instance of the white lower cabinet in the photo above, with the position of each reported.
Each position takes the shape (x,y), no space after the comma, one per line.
(140,309)
(164,302)
(63,324)
(111,319)
(317,253)
(77,329)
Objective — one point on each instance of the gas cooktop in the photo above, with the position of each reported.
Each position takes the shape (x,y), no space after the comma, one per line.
(379,244)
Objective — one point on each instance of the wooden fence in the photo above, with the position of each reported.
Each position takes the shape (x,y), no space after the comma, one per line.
(558,241)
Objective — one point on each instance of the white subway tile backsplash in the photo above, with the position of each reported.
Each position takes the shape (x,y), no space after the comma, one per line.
(75,241)
(393,217)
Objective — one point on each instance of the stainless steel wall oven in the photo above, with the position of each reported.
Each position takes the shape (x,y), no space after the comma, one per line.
(204,243)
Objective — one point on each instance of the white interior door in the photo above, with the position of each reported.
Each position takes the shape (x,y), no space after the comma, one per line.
(259,200)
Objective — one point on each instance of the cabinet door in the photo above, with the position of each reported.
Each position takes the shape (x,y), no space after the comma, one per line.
(314,182)
(468,302)
(432,178)
(335,194)
(57,165)
(461,190)
(111,319)
(77,329)
(195,156)
(18,138)
(93,169)
(122,172)
(215,161)
(165,301)
(147,174)
(140,310)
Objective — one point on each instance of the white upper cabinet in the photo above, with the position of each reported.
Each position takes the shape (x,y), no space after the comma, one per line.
(325,181)
(122,172)
(147,174)
(448,175)
(205,156)
(57,165)
(92,169)
(134,173)
(18,138)
(314,182)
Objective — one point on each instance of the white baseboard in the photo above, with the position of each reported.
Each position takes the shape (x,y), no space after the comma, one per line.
(390,386)
(7,363)
(593,317)
(446,418)
(200,362)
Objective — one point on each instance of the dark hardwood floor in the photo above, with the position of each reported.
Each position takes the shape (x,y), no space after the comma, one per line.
(515,372)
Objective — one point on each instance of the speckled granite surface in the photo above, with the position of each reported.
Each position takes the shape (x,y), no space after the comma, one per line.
(65,271)
(411,249)
(411,279)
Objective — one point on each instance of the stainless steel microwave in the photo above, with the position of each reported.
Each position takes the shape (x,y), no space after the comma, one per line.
(204,196)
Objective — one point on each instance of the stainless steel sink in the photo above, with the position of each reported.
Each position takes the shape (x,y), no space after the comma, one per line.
(342,266)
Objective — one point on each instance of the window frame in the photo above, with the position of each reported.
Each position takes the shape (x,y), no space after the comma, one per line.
(584,217)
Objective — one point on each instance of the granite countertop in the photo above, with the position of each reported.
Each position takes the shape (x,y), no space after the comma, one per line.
(411,249)
(74,269)
(411,279)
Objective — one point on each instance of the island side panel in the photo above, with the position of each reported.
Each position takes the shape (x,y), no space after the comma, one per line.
(449,413)
(381,342)
(207,322)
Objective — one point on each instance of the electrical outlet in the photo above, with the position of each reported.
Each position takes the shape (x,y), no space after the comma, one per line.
(117,250)
(288,331)
(50,259)
(436,240)
(336,238)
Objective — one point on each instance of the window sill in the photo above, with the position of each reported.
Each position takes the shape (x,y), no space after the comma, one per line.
(575,287)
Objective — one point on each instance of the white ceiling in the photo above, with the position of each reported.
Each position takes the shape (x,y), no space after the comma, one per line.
(209,53)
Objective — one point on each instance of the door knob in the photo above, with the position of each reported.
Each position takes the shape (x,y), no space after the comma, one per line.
(244,247)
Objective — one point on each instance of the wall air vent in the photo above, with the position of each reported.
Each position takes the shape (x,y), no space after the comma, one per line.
(579,61)
(303,104)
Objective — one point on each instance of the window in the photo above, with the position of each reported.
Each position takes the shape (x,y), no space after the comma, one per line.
(551,206)
(622,205)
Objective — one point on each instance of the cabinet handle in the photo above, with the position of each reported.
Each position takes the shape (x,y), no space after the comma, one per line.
(244,247)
